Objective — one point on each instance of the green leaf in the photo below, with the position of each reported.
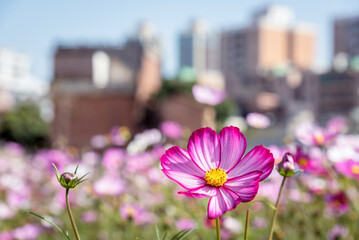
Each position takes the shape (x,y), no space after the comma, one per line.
(157,233)
(76,169)
(164,236)
(57,172)
(182,234)
(48,221)
(79,180)
(268,204)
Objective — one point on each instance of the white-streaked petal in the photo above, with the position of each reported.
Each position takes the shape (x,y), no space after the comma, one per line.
(258,159)
(178,159)
(225,200)
(204,148)
(246,186)
(188,181)
(233,146)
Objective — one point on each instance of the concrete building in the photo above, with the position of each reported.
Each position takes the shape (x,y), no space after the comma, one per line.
(198,48)
(338,93)
(96,88)
(273,41)
(346,36)
(17,83)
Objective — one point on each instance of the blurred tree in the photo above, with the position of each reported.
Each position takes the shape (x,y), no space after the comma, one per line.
(174,86)
(225,109)
(25,126)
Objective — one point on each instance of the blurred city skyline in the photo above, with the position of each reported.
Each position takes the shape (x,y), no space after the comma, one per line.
(36,30)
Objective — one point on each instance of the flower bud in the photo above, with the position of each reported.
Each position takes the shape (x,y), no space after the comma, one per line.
(68,177)
(68,180)
(286,167)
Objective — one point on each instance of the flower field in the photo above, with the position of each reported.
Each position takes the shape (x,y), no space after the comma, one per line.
(129,192)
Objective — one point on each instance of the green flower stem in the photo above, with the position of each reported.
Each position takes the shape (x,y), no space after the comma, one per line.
(218,229)
(247,224)
(70,215)
(275,210)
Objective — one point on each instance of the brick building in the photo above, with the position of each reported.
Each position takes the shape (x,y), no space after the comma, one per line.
(96,88)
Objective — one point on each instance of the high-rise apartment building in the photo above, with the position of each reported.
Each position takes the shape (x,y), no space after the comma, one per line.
(198,49)
(346,36)
(16,80)
(272,41)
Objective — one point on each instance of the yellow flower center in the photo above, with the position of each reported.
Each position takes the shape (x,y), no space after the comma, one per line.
(319,138)
(355,169)
(302,162)
(216,177)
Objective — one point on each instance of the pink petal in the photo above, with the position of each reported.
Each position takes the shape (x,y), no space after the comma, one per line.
(204,148)
(225,200)
(208,95)
(188,181)
(258,159)
(246,186)
(178,159)
(233,146)
(202,192)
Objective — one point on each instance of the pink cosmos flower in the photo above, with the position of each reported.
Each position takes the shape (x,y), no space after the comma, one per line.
(113,157)
(311,162)
(109,185)
(311,134)
(338,232)
(258,120)
(171,129)
(207,95)
(137,214)
(349,168)
(27,232)
(213,167)
(337,125)
(183,223)
(337,204)
(89,216)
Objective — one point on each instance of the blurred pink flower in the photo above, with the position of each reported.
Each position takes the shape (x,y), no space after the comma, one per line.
(6,212)
(258,120)
(311,134)
(337,204)
(19,198)
(337,125)
(27,232)
(311,162)
(116,136)
(113,157)
(109,185)
(338,232)
(277,153)
(137,214)
(89,216)
(348,168)
(49,157)
(171,129)
(213,167)
(14,148)
(183,223)
(259,223)
(6,236)
(139,162)
(207,95)
(98,141)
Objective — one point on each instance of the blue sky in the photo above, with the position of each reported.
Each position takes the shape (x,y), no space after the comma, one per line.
(36,27)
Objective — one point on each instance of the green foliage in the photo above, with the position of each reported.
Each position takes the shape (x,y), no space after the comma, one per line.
(173,87)
(225,109)
(178,236)
(25,126)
